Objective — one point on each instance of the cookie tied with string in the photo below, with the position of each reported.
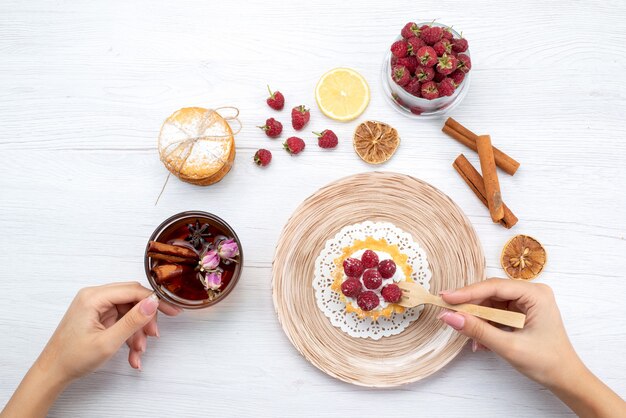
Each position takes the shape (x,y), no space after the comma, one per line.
(197,145)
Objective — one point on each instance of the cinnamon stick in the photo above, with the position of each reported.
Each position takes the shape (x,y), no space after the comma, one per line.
(168,272)
(468,138)
(475,181)
(175,250)
(172,258)
(490,177)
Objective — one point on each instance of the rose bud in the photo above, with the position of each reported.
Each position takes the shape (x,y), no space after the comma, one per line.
(228,249)
(210,261)
(213,280)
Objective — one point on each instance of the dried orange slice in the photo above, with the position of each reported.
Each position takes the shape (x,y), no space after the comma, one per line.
(375,142)
(523,257)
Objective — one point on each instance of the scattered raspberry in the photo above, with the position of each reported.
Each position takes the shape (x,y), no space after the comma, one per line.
(392,293)
(352,267)
(401,75)
(409,62)
(369,259)
(439,77)
(446,64)
(410,30)
(415,44)
(276,100)
(427,56)
(447,34)
(424,74)
(459,45)
(294,145)
(431,35)
(457,77)
(400,48)
(262,157)
(351,287)
(372,279)
(464,63)
(300,116)
(430,92)
(368,300)
(443,47)
(327,139)
(387,268)
(414,87)
(272,128)
(446,87)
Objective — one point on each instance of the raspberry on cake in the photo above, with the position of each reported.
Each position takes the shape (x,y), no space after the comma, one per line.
(387,268)
(392,293)
(372,279)
(369,259)
(351,287)
(368,300)
(353,267)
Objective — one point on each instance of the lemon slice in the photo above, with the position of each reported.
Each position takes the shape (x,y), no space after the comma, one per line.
(342,94)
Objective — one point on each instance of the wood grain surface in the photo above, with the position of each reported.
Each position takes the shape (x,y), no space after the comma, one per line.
(85,87)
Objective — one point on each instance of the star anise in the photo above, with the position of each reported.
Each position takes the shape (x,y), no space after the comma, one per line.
(197,234)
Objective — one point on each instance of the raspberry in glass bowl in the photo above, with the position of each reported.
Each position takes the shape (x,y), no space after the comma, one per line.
(426,71)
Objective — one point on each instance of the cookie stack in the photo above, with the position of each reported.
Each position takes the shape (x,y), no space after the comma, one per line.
(197,145)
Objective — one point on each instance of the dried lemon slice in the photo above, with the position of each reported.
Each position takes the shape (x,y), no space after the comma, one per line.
(375,142)
(342,94)
(523,257)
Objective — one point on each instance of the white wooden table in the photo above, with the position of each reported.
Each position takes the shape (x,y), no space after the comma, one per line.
(84,87)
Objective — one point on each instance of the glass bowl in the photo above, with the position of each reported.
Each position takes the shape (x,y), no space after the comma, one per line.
(416,107)
(168,227)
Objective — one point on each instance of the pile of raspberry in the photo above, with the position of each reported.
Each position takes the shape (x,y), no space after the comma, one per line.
(429,62)
(365,276)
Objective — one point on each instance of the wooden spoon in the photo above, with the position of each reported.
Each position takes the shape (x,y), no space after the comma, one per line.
(413,294)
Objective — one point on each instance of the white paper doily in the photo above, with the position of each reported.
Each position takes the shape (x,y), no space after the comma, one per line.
(329,301)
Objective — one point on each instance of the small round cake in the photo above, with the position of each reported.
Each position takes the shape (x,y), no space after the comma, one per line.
(383,252)
(197,145)
(357,274)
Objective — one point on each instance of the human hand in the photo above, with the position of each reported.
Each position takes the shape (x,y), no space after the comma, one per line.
(99,320)
(541,350)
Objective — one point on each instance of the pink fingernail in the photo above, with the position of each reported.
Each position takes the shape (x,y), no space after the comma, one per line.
(139,364)
(455,320)
(156,331)
(474,346)
(149,305)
